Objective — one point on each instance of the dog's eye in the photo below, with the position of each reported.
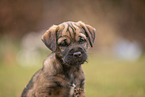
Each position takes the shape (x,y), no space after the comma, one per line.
(63,43)
(82,40)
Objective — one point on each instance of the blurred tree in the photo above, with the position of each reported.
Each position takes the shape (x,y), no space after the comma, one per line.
(124,17)
(19,17)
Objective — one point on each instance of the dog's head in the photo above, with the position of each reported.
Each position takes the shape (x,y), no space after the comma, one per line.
(69,41)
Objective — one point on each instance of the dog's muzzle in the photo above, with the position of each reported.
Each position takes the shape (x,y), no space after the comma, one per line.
(75,56)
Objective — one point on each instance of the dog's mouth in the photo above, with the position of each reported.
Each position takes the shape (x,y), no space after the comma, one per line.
(76,58)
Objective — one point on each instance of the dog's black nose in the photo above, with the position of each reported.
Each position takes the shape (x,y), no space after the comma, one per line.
(77,54)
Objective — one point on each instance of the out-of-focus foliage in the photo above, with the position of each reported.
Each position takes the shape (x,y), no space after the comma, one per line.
(123,17)
(105,77)
(18,17)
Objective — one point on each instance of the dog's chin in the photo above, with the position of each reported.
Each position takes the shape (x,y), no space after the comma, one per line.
(74,61)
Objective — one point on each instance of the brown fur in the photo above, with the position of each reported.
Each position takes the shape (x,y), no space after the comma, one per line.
(60,75)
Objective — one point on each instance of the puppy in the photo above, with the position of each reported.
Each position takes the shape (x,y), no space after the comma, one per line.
(62,74)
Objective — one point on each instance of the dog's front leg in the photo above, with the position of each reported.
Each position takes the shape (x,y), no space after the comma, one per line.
(79,92)
(53,91)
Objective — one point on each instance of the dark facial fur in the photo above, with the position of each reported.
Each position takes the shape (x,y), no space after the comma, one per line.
(71,46)
(73,55)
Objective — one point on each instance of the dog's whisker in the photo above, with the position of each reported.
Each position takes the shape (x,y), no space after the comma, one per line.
(86,61)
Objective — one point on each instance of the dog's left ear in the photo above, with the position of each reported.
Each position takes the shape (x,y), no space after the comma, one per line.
(89,31)
(49,37)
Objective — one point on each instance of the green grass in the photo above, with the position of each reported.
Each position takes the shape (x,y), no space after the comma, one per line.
(105,77)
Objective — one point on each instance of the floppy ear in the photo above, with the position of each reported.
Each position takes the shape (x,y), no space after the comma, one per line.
(89,31)
(49,37)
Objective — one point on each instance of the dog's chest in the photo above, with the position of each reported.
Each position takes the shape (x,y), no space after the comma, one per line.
(76,82)
(76,89)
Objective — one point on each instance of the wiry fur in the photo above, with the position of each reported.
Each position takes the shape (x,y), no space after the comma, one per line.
(62,74)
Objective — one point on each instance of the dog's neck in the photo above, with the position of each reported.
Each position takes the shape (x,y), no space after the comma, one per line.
(58,66)
(67,67)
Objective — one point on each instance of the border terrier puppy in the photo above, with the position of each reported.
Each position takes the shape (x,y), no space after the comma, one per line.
(62,74)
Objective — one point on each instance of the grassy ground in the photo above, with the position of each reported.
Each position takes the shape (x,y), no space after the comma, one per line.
(105,77)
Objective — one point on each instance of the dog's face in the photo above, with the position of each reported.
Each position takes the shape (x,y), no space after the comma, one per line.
(72,50)
(69,41)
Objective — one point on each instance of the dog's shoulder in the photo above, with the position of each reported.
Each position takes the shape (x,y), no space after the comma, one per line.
(52,65)
(30,84)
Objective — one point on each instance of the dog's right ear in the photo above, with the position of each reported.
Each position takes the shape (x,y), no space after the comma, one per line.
(49,37)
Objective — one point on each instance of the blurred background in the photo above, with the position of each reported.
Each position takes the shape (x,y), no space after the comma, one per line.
(116,64)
